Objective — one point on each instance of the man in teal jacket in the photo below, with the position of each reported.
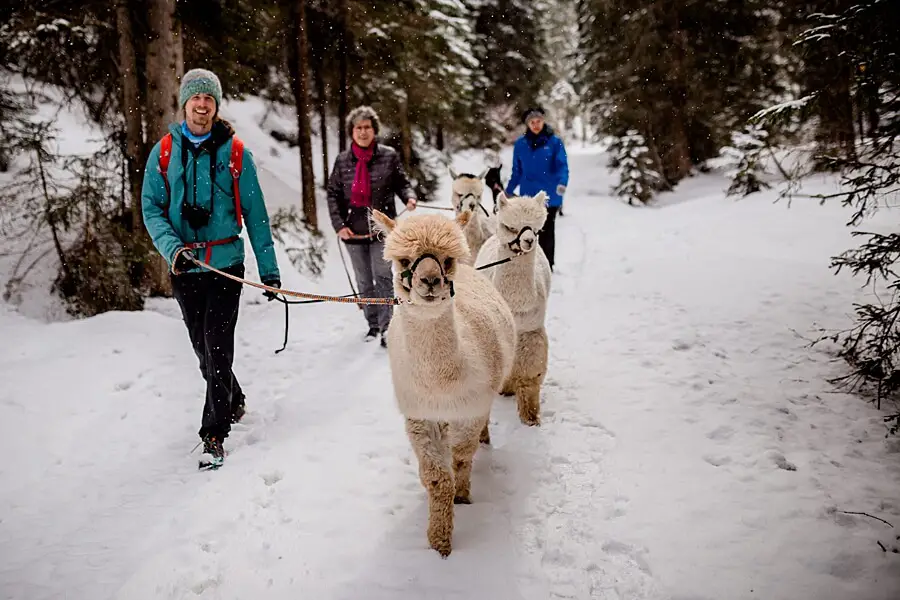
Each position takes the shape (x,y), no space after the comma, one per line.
(192,206)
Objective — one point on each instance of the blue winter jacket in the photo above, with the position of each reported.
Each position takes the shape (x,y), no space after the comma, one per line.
(539,163)
(190,181)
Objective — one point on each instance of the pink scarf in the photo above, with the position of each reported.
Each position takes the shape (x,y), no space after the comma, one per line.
(361,192)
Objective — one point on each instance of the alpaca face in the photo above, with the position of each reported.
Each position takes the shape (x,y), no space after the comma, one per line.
(467,191)
(520,220)
(425,250)
(427,279)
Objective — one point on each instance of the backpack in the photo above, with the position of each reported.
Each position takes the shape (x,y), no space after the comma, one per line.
(235,165)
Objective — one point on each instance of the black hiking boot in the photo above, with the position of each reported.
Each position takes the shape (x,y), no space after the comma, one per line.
(372,334)
(384,339)
(238,413)
(213,453)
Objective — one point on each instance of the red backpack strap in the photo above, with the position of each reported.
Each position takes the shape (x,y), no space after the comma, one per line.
(165,153)
(235,165)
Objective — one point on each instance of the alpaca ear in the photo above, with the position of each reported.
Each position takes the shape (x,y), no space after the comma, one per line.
(462,219)
(382,222)
(453,173)
(482,174)
(502,200)
(541,198)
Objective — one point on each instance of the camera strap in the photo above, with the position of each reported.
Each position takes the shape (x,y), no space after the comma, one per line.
(235,166)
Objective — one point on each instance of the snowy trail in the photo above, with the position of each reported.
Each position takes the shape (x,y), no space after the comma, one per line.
(690,447)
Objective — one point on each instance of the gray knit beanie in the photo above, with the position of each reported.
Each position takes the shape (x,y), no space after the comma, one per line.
(200,81)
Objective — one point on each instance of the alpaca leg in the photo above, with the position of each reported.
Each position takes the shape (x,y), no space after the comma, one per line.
(528,398)
(464,440)
(528,374)
(431,443)
(485,437)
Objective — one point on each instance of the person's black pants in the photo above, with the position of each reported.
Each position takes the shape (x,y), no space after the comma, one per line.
(209,304)
(547,239)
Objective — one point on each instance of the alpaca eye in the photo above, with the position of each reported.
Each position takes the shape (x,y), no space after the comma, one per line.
(404,262)
(448,264)
(510,229)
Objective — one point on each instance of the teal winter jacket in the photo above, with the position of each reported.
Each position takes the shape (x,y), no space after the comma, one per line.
(194,179)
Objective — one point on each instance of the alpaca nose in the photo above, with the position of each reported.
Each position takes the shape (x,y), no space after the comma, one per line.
(431,282)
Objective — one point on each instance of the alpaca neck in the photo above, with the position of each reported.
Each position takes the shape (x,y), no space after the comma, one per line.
(474,223)
(433,332)
(520,265)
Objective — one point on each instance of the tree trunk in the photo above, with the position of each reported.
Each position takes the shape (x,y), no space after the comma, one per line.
(299,69)
(439,137)
(322,106)
(178,51)
(162,102)
(131,111)
(675,150)
(343,71)
(837,132)
(162,70)
(406,134)
(675,143)
(867,101)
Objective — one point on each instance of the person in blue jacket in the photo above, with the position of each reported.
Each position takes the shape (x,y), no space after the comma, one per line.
(540,164)
(190,204)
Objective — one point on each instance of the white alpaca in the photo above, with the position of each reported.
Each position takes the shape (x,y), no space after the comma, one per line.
(451,346)
(466,197)
(524,281)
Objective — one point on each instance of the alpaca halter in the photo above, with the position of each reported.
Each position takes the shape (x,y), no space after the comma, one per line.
(471,195)
(408,273)
(517,242)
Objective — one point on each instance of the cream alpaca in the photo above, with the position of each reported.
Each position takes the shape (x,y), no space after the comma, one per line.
(451,346)
(524,282)
(466,196)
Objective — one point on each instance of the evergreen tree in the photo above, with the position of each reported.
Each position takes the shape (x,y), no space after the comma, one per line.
(563,100)
(859,36)
(744,161)
(683,74)
(514,69)
(638,178)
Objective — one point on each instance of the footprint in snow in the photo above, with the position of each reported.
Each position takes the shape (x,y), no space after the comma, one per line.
(272,478)
(717,461)
(723,432)
(619,508)
(201,587)
(780,461)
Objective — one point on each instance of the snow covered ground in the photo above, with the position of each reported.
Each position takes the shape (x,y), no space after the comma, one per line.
(690,447)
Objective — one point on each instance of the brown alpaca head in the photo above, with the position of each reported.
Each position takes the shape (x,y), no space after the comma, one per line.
(425,250)
(519,220)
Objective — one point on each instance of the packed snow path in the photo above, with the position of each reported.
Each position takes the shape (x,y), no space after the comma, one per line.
(690,447)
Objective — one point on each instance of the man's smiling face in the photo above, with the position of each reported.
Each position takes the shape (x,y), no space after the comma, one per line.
(199,111)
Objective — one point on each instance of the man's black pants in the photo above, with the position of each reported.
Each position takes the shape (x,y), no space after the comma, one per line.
(209,304)
(547,239)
